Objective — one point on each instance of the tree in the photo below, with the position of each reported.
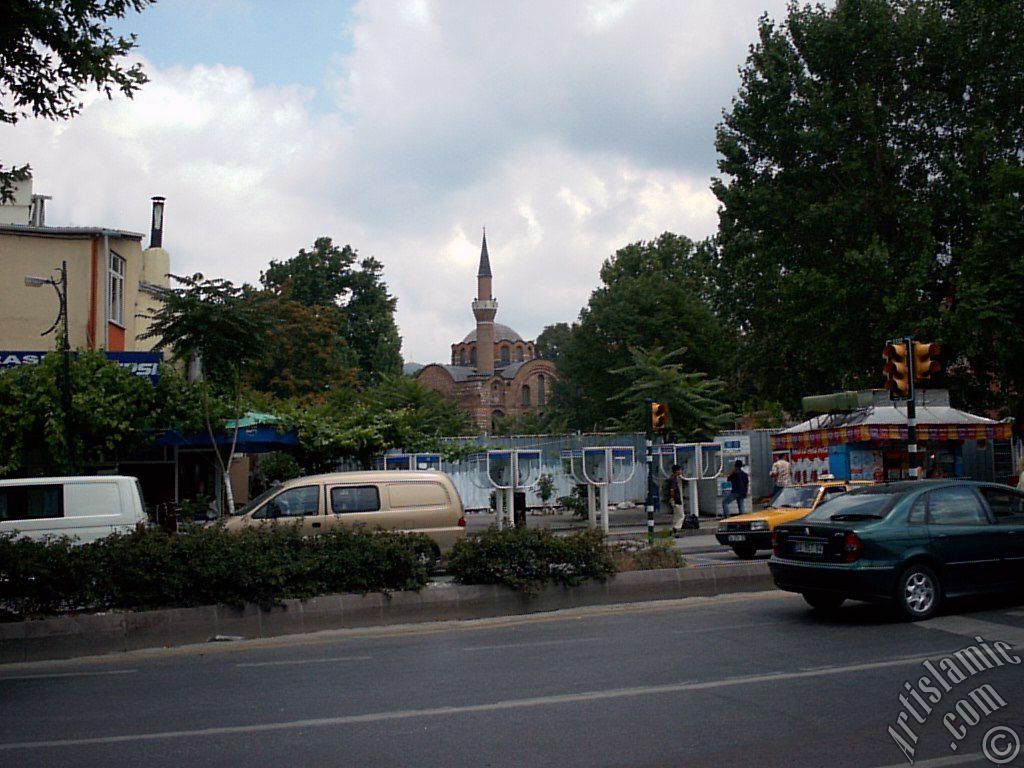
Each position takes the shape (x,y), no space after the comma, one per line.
(857,163)
(651,295)
(697,410)
(354,300)
(209,324)
(113,414)
(306,355)
(50,52)
(553,340)
(397,413)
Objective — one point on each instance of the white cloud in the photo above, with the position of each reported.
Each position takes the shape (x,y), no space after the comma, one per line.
(568,129)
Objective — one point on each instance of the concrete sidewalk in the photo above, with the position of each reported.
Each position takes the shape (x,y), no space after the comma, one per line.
(629,523)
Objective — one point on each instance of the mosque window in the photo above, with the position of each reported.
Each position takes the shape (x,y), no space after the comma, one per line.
(541,394)
(526,394)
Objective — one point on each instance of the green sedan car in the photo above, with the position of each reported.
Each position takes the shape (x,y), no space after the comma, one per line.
(912,543)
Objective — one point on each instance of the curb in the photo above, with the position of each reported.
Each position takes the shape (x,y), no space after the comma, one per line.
(88,635)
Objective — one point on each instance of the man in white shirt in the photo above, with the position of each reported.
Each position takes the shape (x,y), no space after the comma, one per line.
(782,477)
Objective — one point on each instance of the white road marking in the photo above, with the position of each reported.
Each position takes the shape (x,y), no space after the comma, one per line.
(47,676)
(971,628)
(939,762)
(509,704)
(703,630)
(291,662)
(531,644)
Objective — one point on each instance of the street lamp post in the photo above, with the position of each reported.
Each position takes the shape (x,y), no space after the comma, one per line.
(61,287)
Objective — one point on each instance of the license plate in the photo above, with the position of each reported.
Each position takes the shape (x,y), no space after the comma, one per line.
(737,537)
(808,548)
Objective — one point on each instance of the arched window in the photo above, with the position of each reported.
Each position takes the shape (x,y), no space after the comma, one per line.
(505,354)
(519,354)
(472,357)
(541,394)
(462,356)
(526,394)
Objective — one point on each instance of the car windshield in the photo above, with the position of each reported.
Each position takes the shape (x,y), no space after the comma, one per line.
(853,506)
(253,503)
(796,497)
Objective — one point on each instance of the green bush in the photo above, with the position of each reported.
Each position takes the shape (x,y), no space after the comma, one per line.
(152,569)
(641,556)
(528,558)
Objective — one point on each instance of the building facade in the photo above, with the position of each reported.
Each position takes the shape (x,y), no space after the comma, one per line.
(494,373)
(111,279)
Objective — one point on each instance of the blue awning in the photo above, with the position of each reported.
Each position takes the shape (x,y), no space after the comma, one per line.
(255,438)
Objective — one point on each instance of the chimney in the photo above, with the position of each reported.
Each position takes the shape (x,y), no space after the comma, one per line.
(38,210)
(156,232)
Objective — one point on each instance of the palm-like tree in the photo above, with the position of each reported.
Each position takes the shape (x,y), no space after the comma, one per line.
(695,402)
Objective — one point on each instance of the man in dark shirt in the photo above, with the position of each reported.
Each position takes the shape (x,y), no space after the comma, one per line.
(740,484)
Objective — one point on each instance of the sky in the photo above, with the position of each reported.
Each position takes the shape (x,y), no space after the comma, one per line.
(567,128)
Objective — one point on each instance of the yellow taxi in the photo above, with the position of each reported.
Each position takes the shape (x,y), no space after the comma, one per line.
(748,533)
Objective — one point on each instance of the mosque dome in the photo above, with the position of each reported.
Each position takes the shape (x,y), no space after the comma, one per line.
(501,333)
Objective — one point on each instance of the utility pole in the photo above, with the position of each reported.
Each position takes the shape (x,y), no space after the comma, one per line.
(61,288)
(652,486)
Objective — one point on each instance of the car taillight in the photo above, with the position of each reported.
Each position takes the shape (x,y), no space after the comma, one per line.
(776,542)
(462,522)
(851,547)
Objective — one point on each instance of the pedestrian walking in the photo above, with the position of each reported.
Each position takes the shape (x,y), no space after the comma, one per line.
(739,485)
(675,498)
(782,475)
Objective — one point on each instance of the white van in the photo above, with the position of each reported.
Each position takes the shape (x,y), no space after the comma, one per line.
(84,508)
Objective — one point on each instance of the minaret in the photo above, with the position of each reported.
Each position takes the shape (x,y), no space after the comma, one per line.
(484,310)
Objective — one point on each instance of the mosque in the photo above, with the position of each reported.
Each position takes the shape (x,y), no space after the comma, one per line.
(494,373)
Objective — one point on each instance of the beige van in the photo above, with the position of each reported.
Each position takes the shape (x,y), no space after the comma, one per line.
(393,500)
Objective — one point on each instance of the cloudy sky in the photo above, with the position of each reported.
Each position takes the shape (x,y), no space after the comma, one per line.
(568,129)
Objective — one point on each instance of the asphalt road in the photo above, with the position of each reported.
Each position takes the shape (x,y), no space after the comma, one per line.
(744,680)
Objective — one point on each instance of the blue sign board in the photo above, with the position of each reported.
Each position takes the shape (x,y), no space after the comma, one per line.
(144,364)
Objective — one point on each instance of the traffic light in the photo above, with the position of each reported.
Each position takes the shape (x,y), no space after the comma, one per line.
(896,369)
(659,417)
(926,360)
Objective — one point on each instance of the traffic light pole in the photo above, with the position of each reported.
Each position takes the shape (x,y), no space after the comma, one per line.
(652,488)
(914,458)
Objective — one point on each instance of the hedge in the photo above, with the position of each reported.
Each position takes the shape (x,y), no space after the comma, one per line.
(527,558)
(152,569)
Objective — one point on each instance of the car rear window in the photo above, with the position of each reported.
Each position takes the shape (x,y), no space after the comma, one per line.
(853,504)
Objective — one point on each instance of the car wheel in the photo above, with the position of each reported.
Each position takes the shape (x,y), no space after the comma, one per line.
(918,592)
(823,601)
(744,553)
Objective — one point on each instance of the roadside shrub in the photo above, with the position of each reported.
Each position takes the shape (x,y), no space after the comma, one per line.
(528,558)
(641,556)
(152,569)
(576,501)
(40,577)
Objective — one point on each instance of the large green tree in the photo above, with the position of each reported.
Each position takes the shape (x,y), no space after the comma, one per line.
(347,293)
(113,413)
(398,412)
(652,295)
(860,161)
(696,403)
(218,332)
(53,50)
